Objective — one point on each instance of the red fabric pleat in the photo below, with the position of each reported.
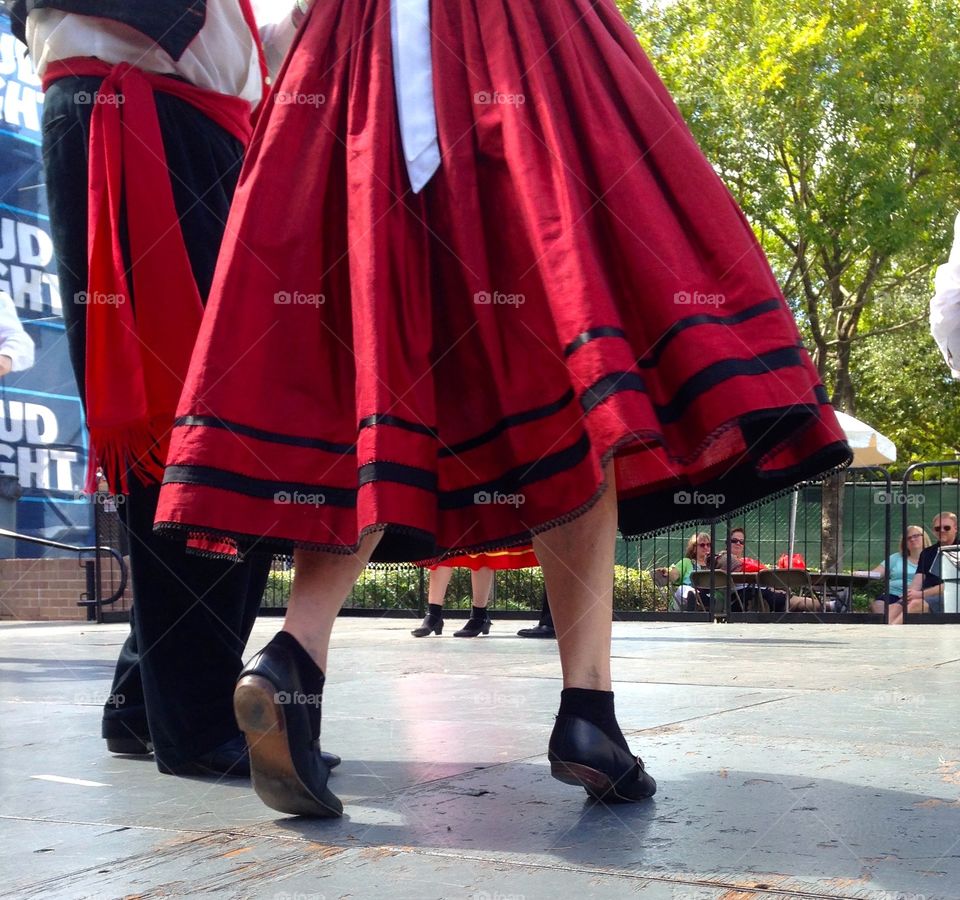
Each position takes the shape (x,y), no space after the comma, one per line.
(455,367)
(515,558)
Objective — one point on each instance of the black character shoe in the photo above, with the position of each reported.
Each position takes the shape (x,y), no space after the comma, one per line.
(429,625)
(539,631)
(282,723)
(230,759)
(125,738)
(331,759)
(474,627)
(580,753)
(131,745)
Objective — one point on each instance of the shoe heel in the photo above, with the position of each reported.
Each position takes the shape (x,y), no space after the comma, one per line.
(593,782)
(256,708)
(425,629)
(129,746)
(486,628)
(260,715)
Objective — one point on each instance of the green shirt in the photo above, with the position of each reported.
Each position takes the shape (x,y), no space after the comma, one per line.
(684,569)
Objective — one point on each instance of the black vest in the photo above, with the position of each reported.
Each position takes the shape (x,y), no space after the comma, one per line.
(171,24)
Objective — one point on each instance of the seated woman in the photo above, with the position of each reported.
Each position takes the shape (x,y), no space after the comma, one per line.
(694,559)
(735,560)
(911,546)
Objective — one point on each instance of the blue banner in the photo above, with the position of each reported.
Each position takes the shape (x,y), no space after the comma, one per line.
(43,441)
(27,265)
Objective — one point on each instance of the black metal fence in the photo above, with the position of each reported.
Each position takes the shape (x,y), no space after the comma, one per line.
(109,532)
(401,589)
(840,529)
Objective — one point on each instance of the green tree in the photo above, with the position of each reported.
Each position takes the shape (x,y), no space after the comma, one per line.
(906,389)
(837,128)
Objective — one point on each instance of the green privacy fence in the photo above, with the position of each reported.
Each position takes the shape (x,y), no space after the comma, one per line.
(872,511)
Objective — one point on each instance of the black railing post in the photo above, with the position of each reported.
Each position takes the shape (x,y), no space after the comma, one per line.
(422,593)
(94,613)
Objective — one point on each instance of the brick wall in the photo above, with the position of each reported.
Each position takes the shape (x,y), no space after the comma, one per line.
(42,589)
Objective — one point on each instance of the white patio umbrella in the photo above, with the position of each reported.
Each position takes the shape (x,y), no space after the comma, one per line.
(870,448)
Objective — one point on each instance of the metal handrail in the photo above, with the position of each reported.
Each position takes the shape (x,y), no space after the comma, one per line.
(43,542)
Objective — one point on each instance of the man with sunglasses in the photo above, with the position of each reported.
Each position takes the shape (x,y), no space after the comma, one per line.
(926,589)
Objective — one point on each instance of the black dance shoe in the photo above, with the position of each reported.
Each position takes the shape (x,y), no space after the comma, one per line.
(538,631)
(474,627)
(127,739)
(282,724)
(580,753)
(331,759)
(129,745)
(230,759)
(429,625)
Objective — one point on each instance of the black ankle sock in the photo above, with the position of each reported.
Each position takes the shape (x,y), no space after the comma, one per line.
(311,677)
(479,612)
(595,707)
(435,610)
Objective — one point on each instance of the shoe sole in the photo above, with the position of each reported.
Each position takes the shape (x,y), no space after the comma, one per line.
(272,771)
(201,771)
(597,784)
(129,746)
(472,634)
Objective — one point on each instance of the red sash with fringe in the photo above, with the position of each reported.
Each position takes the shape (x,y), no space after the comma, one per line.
(136,360)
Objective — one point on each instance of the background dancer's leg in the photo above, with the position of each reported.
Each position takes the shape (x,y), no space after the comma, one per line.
(546,617)
(481,583)
(544,627)
(438,581)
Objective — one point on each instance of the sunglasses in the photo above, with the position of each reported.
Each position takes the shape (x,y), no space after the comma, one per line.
(943,528)
(707,544)
(736,540)
(910,537)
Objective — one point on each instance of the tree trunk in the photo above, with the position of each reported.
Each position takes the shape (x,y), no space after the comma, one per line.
(831,523)
(843,392)
(831,515)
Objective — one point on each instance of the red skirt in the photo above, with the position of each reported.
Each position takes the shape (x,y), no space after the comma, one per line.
(456,367)
(517,558)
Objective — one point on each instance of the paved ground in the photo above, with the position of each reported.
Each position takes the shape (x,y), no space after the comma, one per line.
(793,761)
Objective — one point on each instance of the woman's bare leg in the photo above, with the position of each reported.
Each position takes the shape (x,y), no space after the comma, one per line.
(587,747)
(438,580)
(481,582)
(577,560)
(917,607)
(896,611)
(321,584)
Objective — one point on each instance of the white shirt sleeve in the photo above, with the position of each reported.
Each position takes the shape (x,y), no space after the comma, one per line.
(945,306)
(14,341)
(276,39)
